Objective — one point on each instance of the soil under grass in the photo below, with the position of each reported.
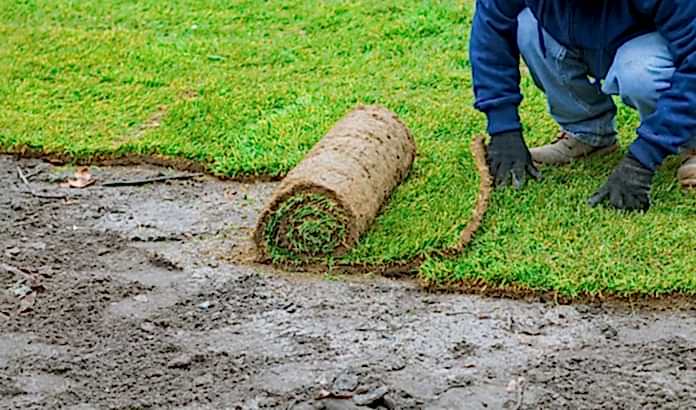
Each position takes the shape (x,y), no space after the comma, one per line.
(247,88)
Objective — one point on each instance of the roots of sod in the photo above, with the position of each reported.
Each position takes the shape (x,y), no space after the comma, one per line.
(306,225)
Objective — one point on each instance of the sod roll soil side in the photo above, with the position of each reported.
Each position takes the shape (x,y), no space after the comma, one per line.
(332,197)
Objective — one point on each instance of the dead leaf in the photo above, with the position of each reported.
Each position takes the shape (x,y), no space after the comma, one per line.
(82,179)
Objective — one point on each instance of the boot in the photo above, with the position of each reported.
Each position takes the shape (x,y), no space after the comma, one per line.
(687,171)
(567,149)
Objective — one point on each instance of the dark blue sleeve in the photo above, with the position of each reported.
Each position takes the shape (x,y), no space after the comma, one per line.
(495,62)
(673,123)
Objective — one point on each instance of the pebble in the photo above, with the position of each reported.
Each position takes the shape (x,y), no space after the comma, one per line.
(388,403)
(339,405)
(148,327)
(371,397)
(40,246)
(180,362)
(21,291)
(346,381)
(205,305)
(304,406)
(206,379)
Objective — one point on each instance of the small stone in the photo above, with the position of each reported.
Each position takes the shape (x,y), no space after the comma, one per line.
(180,362)
(13,251)
(399,363)
(609,331)
(140,298)
(39,246)
(206,379)
(21,291)
(205,305)
(304,406)
(388,403)
(148,327)
(338,405)
(371,397)
(346,381)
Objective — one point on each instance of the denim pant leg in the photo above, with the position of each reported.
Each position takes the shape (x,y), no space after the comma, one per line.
(577,105)
(642,70)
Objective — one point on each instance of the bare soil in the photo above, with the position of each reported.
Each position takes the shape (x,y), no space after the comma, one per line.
(125,297)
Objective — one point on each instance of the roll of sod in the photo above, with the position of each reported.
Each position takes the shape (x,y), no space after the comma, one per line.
(325,204)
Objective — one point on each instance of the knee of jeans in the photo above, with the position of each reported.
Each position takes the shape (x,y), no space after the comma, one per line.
(634,82)
(639,77)
(527,33)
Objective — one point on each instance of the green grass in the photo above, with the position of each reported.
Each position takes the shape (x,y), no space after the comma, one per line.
(250,86)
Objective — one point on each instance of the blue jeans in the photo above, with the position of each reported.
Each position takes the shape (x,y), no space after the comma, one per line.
(639,72)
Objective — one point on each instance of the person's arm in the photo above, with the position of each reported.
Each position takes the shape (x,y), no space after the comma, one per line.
(495,61)
(673,123)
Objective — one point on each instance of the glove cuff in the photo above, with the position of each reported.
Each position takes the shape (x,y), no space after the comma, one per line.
(508,134)
(636,164)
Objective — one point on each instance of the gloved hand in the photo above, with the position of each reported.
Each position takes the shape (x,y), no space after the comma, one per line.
(628,187)
(509,159)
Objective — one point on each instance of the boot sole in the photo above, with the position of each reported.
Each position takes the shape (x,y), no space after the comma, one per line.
(599,152)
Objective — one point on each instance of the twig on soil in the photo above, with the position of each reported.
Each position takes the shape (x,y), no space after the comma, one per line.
(33,173)
(33,192)
(144,181)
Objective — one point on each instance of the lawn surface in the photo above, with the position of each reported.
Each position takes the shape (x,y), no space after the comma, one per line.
(247,87)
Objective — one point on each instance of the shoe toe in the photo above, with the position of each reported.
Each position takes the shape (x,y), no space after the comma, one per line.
(549,155)
(688,170)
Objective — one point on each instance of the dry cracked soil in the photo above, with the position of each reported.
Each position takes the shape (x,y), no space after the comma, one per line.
(128,297)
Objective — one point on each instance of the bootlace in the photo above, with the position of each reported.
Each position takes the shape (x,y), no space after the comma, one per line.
(562,136)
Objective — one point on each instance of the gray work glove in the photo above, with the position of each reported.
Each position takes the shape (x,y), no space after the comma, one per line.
(628,187)
(509,160)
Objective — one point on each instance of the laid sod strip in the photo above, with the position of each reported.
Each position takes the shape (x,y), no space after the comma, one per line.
(332,197)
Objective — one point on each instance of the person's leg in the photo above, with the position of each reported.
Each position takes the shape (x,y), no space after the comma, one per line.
(578,105)
(641,72)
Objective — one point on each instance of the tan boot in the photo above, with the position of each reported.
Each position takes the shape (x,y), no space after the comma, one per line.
(687,171)
(567,149)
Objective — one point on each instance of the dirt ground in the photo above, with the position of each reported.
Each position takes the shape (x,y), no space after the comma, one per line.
(124,298)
